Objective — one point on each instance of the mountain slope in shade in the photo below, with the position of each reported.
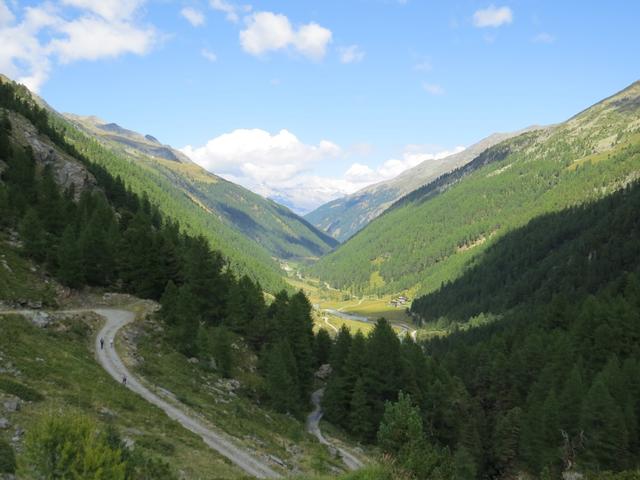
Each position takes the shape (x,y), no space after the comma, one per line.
(275,228)
(430,236)
(343,217)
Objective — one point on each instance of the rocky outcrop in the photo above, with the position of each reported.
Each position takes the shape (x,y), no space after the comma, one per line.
(67,170)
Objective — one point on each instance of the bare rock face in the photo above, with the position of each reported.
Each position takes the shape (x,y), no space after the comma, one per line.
(67,170)
(324,372)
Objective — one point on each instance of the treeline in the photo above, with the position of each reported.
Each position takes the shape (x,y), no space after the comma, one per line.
(369,374)
(552,385)
(544,390)
(572,253)
(111,237)
(556,386)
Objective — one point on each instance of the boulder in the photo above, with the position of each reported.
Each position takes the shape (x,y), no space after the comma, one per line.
(41,319)
(12,405)
(4,423)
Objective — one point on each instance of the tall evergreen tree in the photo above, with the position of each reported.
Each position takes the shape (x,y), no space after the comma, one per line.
(605,431)
(281,379)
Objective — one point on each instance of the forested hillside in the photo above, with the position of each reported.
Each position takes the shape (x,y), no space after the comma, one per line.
(250,231)
(569,254)
(110,237)
(430,237)
(552,385)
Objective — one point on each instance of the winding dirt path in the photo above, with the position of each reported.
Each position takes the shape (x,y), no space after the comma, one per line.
(109,359)
(313,427)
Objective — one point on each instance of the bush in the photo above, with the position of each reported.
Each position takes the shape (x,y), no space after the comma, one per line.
(19,390)
(71,447)
(7,458)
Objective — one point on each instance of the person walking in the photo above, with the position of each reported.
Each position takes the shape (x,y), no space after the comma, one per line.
(124,379)
(101,343)
(111,343)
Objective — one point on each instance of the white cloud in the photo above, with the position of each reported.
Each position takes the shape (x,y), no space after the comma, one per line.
(280,166)
(360,173)
(209,55)
(274,165)
(108,9)
(254,150)
(312,40)
(351,54)
(229,9)
(433,88)
(193,16)
(6,16)
(267,31)
(32,45)
(492,16)
(91,38)
(543,37)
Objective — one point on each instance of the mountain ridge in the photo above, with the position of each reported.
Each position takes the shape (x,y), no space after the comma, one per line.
(430,235)
(345,216)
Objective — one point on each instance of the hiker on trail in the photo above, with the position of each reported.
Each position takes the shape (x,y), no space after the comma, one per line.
(111,343)
(124,379)
(101,343)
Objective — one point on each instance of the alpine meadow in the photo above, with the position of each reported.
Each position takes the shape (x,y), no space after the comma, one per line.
(384,240)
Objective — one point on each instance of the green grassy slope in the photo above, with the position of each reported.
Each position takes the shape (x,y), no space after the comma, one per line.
(282,233)
(20,281)
(429,237)
(57,363)
(345,216)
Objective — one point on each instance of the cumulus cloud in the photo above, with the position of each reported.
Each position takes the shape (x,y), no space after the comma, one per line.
(193,16)
(351,54)
(274,165)
(492,16)
(259,153)
(282,167)
(268,31)
(433,88)
(90,38)
(44,36)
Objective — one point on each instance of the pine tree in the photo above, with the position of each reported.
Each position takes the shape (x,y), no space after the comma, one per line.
(70,265)
(322,345)
(186,322)
(570,400)
(337,395)
(605,431)
(361,422)
(222,351)
(33,235)
(300,334)
(401,426)
(506,437)
(281,379)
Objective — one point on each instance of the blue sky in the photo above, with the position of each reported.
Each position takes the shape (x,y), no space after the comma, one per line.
(311,99)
